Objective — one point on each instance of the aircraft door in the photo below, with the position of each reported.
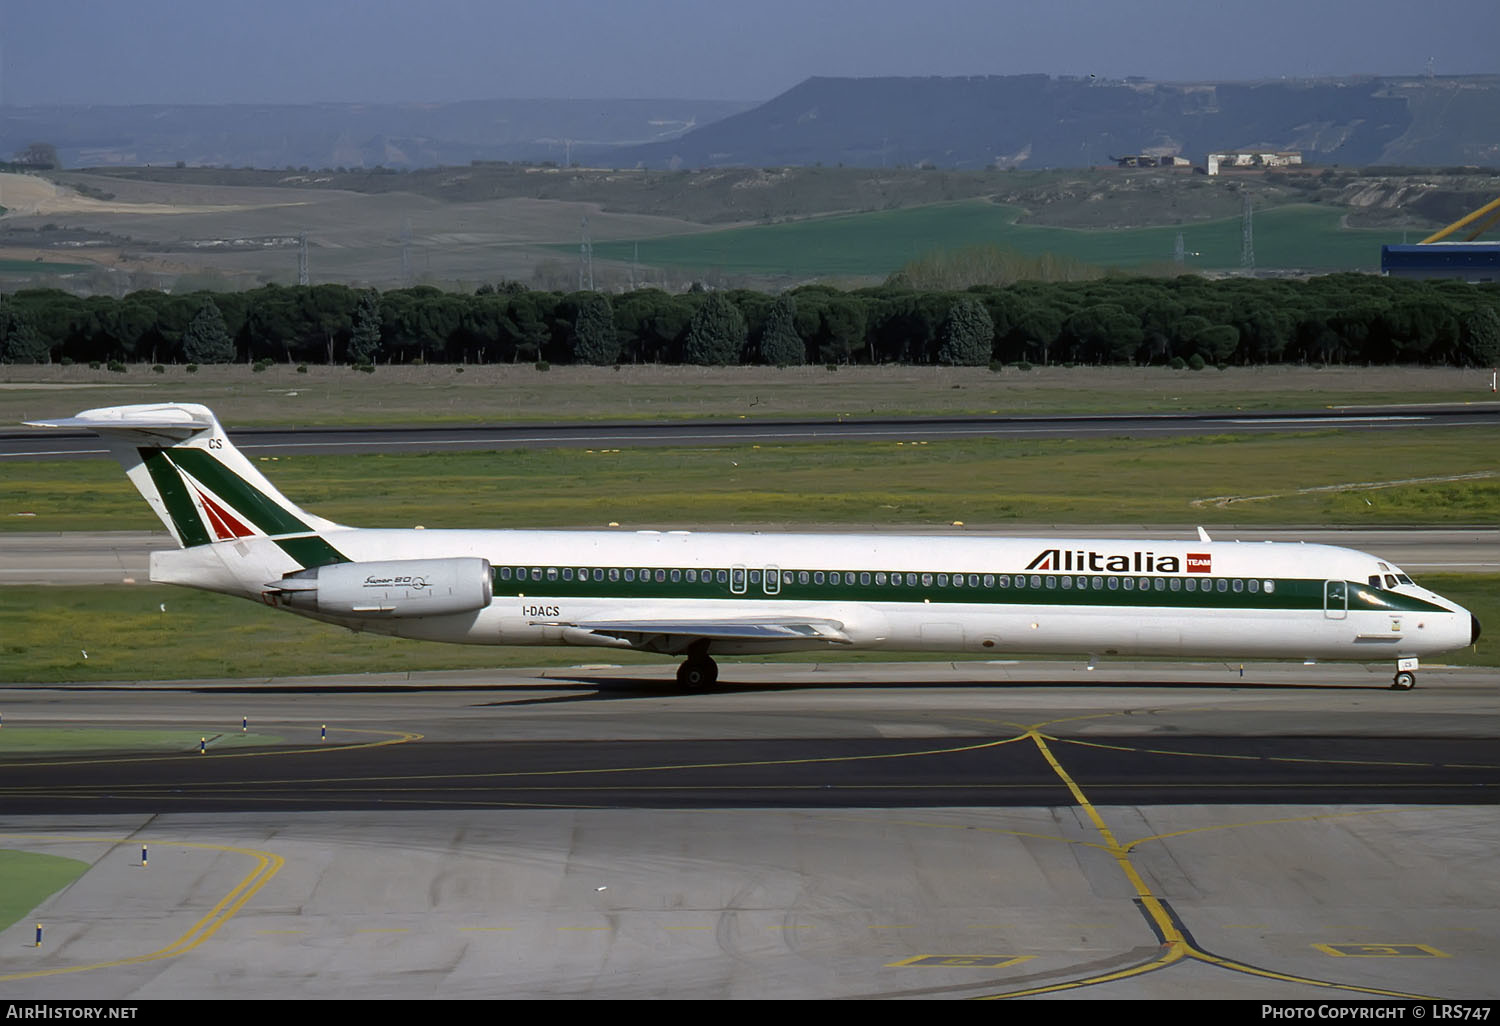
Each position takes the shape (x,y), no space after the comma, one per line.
(1335,600)
(771,583)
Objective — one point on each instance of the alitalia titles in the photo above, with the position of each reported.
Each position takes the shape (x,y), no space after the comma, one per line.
(1137,562)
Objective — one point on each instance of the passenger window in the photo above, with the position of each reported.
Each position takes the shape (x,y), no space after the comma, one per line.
(1129,583)
(1238,585)
(803,576)
(1114,583)
(911,580)
(1270,587)
(598,573)
(1176,584)
(567,573)
(1254,585)
(818,577)
(676,576)
(661,576)
(835,578)
(505,573)
(989,580)
(864,578)
(1003,580)
(1191,584)
(1036,581)
(614,573)
(926,580)
(630,573)
(1051,583)
(880,577)
(552,573)
(722,576)
(536,573)
(942,580)
(1223,585)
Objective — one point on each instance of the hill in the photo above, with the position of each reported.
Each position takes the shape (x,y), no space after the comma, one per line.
(1036,121)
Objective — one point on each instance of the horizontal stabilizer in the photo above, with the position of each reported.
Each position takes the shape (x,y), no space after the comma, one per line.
(157,419)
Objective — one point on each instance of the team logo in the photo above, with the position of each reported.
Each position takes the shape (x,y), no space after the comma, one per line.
(1200,563)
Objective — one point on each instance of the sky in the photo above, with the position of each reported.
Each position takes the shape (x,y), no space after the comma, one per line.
(395,51)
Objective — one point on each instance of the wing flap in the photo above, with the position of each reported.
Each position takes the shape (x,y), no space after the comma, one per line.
(769,629)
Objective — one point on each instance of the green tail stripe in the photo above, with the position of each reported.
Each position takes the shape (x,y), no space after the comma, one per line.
(311,551)
(175,495)
(261,511)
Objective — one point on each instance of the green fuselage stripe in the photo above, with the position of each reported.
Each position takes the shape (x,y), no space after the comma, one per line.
(311,550)
(1287,594)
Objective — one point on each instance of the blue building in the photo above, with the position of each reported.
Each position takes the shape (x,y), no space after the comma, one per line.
(1469,261)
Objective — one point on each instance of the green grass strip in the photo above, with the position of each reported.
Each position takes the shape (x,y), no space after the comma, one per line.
(30,878)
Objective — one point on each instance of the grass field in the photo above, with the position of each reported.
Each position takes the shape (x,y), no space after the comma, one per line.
(502,393)
(24,739)
(203,635)
(980,482)
(29,878)
(31,267)
(876,244)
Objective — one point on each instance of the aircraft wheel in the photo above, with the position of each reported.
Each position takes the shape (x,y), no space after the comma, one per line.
(1404,681)
(697,673)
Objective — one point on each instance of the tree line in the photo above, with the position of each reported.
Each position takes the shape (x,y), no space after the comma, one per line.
(1342,318)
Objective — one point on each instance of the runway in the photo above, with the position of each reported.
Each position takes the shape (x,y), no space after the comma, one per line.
(20,444)
(894,830)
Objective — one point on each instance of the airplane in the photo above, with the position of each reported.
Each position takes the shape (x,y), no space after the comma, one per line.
(697,595)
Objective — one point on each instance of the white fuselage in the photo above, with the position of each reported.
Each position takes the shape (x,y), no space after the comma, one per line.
(893,592)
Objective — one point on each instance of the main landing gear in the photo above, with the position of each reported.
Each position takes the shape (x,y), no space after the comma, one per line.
(698,672)
(1406,675)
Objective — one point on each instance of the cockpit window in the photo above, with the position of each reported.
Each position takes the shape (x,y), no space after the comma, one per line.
(1374,580)
(1403,579)
(1390,580)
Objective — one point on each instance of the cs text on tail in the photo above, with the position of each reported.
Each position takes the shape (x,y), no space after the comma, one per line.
(698,595)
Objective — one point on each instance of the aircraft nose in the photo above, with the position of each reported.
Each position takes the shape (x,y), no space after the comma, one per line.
(1474,631)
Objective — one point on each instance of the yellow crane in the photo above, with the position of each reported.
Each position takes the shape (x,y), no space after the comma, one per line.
(1487,216)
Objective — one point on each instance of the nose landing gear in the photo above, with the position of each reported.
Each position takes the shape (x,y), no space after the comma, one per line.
(1406,675)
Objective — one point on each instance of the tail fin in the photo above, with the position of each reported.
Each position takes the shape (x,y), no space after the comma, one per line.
(202,487)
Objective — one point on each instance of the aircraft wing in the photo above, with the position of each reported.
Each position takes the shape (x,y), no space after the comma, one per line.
(679,633)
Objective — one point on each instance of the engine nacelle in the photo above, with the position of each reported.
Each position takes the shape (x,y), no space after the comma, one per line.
(392,588)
